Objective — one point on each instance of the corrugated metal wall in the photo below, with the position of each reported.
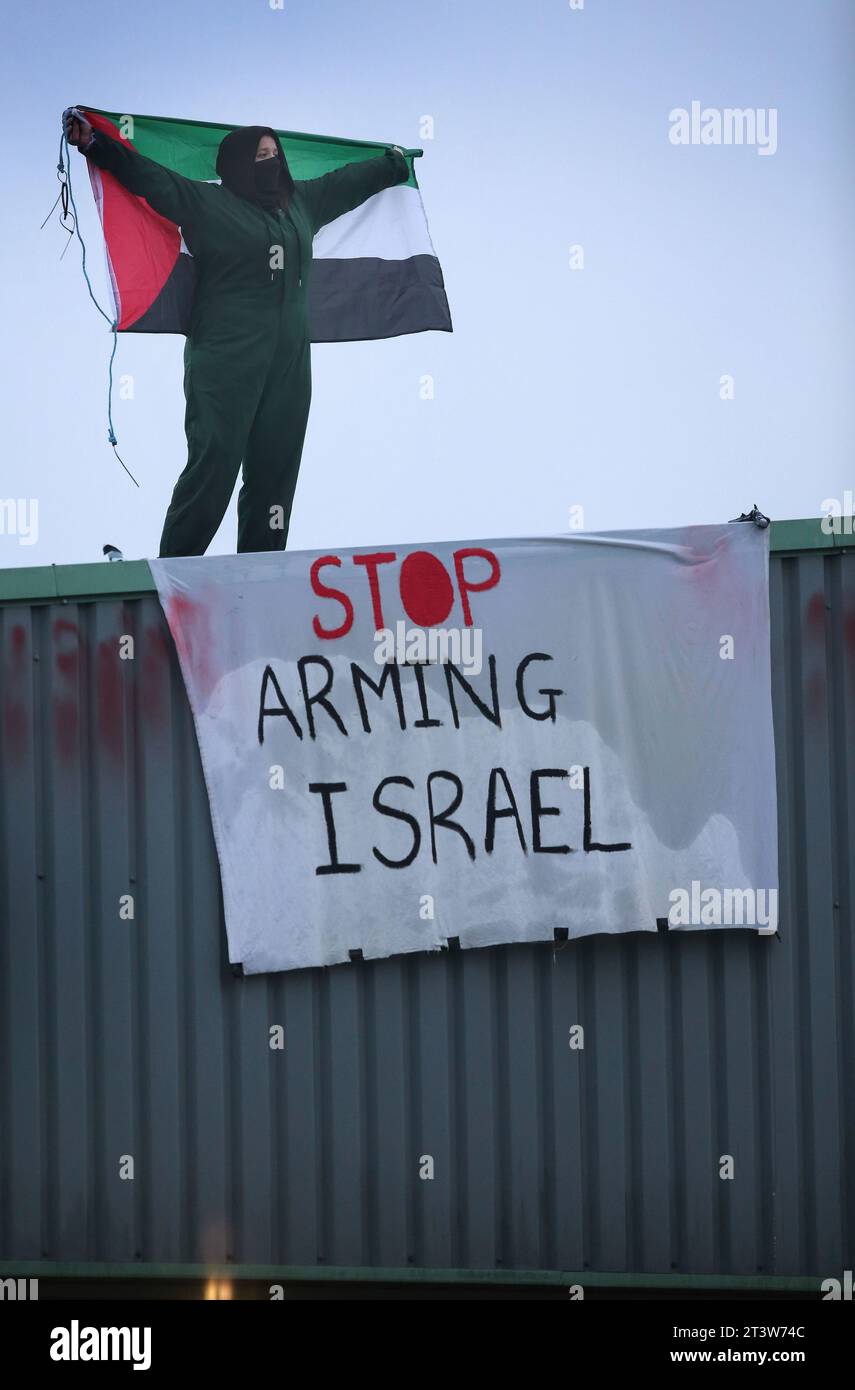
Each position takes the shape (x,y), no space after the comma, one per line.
(133,1038)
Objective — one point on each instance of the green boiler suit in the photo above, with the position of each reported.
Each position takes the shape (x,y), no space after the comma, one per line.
(247,359)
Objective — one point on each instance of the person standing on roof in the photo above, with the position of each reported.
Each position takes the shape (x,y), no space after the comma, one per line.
(247,360)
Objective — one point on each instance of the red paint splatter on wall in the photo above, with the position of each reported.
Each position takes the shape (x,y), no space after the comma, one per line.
(16,726)
(109,685)
(16,722)
(814,628)
(66,650)
(815,615)
(66,646)
(815,693)
(155,674)
(66,724)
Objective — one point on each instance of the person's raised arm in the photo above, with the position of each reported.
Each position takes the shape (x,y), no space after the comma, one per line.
(331,195)
(172,195)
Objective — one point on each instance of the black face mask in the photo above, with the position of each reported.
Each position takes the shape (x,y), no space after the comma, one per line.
(237,166)
(267,175)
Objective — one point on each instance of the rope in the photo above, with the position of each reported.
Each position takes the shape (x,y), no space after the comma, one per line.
(66,192)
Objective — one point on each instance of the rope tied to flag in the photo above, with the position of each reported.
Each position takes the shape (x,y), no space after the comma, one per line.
(66,194)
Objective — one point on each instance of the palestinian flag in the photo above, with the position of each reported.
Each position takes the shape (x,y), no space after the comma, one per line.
(375,275)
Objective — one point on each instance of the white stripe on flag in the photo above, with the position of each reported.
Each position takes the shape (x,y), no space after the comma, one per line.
(391,226)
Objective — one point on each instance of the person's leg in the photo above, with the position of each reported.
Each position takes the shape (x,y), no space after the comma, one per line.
(222,398)
(273,452)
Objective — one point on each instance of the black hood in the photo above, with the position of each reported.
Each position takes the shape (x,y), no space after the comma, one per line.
(236,164)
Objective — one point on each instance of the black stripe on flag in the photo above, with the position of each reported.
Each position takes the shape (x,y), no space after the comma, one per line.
(170,311)
(351,299)
(364,297)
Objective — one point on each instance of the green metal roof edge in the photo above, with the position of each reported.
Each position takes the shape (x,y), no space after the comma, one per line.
(807,534)
(53,582)
(285,1274)
(129,577)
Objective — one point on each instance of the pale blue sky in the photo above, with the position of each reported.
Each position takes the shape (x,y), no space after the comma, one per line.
(597,388)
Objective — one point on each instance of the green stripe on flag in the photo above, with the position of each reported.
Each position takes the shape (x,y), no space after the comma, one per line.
(190,147)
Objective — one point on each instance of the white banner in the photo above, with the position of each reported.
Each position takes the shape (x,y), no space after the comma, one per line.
(565,734)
